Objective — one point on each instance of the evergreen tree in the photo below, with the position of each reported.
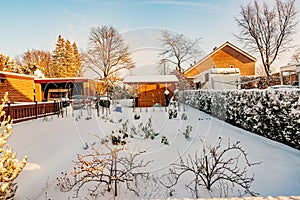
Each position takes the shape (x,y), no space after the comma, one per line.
(58,61)
(77,60)
(10,167)
(70,60)
(66,61)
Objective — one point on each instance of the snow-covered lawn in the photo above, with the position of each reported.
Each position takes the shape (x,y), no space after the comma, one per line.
(52,143)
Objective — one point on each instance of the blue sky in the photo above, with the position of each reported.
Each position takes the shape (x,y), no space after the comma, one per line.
(35,24)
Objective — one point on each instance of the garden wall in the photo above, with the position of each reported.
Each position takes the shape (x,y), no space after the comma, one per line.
(273,114)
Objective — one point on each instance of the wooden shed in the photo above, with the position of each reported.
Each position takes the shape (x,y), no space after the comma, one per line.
(149,89)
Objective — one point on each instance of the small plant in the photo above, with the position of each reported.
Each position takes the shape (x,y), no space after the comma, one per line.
(187,132)
(147,129)
(125,125)
(164,140)
(184,116)
(119,138)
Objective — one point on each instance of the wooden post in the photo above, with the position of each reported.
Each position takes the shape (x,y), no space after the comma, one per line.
(36,110)
(8,109)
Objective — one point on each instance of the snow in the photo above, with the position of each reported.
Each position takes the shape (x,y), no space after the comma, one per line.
(53,142)
(151,79)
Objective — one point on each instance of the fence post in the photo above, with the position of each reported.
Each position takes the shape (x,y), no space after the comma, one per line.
(56,108)
(36,109)
(8,109)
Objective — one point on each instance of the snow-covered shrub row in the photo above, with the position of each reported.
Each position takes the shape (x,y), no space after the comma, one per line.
(270,113)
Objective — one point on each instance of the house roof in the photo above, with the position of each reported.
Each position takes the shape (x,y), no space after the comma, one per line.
(223,46)
(151,79)
(15,75)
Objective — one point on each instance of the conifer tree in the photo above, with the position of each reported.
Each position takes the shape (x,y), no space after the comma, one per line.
(10,167)
(70,60)
(58,61)
(77,60)
(66,60)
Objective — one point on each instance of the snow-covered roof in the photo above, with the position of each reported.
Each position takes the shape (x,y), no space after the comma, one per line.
(151,79)
(289,68)
(11,74)
(63,80)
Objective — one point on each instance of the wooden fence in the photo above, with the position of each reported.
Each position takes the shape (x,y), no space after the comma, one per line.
(23,112)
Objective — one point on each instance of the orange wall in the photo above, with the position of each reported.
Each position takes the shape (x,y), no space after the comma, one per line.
(149,94)
(20,89)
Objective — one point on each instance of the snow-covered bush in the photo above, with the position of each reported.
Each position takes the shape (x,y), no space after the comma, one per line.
(269,113)
(10,167)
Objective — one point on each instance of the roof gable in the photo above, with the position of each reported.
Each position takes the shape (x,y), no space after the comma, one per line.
(226,47)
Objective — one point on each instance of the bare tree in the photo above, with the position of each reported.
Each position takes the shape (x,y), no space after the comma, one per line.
(296,56)
(177,49)
(214,167)
(107,53)
(103,169)
(267,30)
(34,59)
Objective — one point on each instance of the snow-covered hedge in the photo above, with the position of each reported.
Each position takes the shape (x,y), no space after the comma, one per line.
(270,113)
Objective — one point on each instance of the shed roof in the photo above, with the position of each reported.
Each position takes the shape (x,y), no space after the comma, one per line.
(61,80)
(151,79)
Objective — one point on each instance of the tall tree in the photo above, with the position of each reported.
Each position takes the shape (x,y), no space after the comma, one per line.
(58,61)
(35,59)
(267,29)
(107,53)
(66,61)
(177,49)
(6,64)
(70,60)
(77,60)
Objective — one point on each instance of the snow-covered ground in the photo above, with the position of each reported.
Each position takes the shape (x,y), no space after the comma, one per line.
(52,143)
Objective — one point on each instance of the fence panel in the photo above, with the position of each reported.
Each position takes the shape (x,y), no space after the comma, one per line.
(25,112)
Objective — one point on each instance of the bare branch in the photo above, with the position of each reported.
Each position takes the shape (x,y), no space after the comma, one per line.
(267,30)
(214,166)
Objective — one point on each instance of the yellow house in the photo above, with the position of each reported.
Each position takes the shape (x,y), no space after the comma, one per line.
(225,56)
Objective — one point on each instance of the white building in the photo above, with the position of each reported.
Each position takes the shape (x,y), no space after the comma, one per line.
(219,78)
(292,71)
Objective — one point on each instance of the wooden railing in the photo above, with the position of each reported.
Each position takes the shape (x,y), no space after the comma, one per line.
(28,111)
